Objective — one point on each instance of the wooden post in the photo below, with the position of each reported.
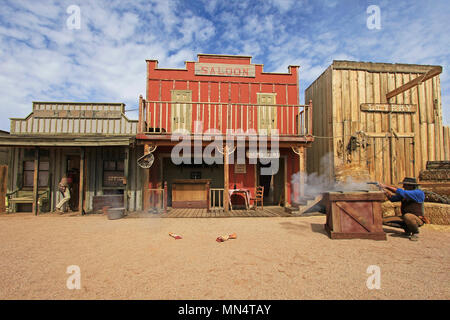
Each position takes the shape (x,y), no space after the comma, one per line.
(208,188)
(226,194)
(141,115)
(36,182)
(125,176)
(82,174)
(146,177)
(302,171)
(310,118)
(165,196)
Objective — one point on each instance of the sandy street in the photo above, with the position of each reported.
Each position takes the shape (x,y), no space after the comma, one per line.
(272,258)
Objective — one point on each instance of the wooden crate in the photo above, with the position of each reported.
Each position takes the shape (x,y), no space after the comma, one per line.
(354,215)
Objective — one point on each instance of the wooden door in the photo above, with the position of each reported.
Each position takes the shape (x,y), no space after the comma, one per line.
(267,113)
(181,112)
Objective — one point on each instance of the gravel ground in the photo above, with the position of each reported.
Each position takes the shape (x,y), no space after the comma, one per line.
(272,258)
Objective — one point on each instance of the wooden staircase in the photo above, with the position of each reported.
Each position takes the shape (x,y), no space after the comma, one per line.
(304,205)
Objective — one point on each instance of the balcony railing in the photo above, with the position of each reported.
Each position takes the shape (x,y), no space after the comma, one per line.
(165,117)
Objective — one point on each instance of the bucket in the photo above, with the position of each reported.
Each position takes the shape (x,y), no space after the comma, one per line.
(115,213)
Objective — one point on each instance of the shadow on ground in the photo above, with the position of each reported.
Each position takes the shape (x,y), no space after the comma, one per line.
(318,228)
(293,226)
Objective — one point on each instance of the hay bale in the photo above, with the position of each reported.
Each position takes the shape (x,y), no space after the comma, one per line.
(390,209)
(438,213)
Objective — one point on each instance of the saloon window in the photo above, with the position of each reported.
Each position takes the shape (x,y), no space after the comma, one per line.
(28,173)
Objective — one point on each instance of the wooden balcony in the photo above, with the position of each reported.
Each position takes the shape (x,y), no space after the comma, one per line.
(166,117)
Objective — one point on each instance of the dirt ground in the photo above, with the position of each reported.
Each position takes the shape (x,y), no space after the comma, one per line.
(272,258)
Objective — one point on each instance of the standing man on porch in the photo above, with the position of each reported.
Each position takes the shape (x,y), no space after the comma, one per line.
(64,187)
(412,209)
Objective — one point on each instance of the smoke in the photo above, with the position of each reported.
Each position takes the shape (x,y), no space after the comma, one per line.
(316,184)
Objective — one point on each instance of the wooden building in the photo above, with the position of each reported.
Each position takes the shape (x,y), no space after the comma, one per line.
(384,119)
(223,93)
(94,142)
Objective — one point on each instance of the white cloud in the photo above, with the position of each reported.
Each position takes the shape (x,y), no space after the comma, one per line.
(41,59)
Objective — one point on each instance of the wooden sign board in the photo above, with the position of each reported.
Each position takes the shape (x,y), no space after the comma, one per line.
(239,168)
(388,107)
(225,70)
(89,114)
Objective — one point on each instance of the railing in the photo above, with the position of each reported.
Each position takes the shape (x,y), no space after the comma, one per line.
(161,117)
(157,197)
(216,198)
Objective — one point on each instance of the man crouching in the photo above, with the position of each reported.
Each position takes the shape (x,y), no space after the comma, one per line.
(412,208)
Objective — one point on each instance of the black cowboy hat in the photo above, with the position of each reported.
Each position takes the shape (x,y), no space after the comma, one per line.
(410,181)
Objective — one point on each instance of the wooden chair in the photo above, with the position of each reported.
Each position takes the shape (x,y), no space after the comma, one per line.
(259,197)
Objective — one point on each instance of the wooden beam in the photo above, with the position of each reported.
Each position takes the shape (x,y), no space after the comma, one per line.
(430,74)
(226,194)
(141,115)
(302,170)
(125,174)
(82,174)
(145,182)
(36,182)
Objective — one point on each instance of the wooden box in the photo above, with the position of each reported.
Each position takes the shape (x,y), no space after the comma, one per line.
(190,193)
(354,215)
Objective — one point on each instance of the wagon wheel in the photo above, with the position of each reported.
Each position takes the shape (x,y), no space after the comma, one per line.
(146,160)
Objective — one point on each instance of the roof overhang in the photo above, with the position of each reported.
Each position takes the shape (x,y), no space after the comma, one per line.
(64,141)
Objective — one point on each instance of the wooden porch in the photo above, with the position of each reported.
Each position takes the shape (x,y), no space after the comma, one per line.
(268,211)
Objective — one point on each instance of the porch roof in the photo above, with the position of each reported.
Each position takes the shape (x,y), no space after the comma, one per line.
(65,140)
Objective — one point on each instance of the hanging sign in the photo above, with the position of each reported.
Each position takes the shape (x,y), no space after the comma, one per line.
(263,155)
(388,107)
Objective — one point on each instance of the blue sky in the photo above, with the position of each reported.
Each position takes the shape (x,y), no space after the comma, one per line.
(41,59)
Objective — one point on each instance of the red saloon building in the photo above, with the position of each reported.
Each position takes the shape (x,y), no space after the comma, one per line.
(233,102)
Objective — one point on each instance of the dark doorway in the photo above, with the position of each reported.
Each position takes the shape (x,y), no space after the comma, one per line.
(73,173)
(274,185)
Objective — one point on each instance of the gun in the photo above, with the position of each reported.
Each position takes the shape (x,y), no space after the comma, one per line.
(376,184)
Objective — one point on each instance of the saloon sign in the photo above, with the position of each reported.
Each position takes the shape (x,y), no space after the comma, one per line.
(225,70)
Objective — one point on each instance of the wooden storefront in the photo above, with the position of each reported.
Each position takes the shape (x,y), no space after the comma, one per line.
(382,118)
(216,95)
(91,142)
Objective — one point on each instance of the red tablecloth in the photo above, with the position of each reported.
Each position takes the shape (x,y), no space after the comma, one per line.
(244,192)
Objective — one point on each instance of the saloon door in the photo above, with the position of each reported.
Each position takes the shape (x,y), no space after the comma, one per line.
(181,112)
(267,112)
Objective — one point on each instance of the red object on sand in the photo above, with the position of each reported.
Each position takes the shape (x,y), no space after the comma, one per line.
(173,235)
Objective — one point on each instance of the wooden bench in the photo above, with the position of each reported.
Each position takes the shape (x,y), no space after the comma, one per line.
(21,196)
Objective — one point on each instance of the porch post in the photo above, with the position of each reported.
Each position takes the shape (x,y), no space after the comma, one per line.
(302,171)
(36,182)
(141,115)
(146,177)
(81,191)
(226,194)
(125,174)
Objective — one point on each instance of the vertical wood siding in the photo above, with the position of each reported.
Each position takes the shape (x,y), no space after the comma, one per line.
(349,88)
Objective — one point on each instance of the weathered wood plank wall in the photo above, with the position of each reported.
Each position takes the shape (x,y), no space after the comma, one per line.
(75,118)
(418,136)
(94,172)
